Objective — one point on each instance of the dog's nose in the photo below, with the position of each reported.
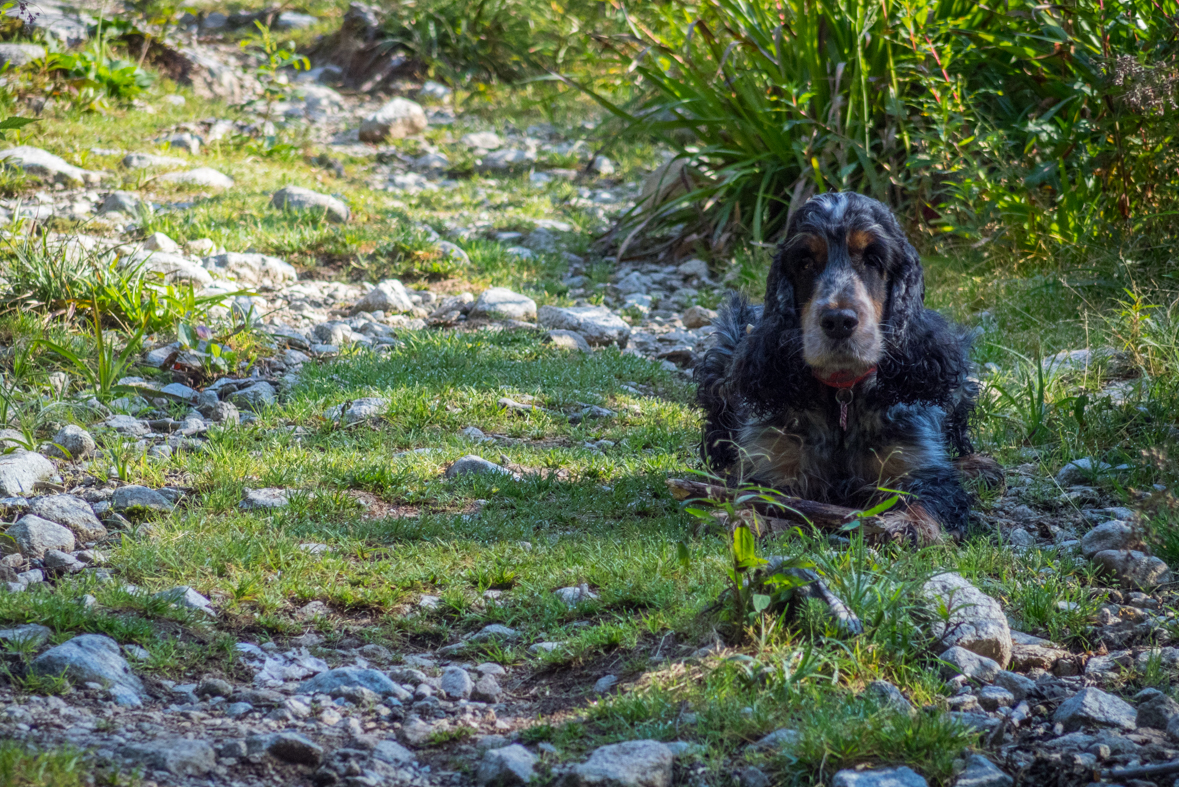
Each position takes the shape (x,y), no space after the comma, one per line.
(839,323)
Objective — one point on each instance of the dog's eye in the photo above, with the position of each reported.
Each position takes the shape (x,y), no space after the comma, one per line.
(873,258)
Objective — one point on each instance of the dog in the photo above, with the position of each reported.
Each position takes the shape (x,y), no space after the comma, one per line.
(842,386)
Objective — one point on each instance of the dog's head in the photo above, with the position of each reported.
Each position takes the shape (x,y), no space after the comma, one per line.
(852,280)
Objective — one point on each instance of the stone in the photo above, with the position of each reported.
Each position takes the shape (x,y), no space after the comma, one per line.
(1093,707)
(201,176)
(991,698)
(158,241)
(124,202)
(214,687)
(295,748)
(500,303)
(1019,685)
(568,340)
(90,658)
(370,679)
(1081,471)
(961,661)
(482,140)
(256,397)
(883,777)
(493,632)
(474,465)
(71,512)
(17,55)
(507,160)
(293,20)
(603,684)
(20,473)
(363,409)
(44,165)
(976,621)
(602,166)
(179,756)
(149,161)
(505,767)
(698,317)
(174,268)
(35,536)
(1133,569)
(575,594)
(644,763)
(27,634)
(890,696)
(981,772)
(596,324)
(693,269)
(1157,712)
(269,499)
(184,596)
(225,413)
(393,752)
(456,683)
(252,270)
(301,200)
(487,689)
(390,296)
(1108,535)
(398,118)
(64,562)
(139,500)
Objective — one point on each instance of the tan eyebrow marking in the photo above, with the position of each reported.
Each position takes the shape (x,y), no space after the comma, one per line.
(858,240)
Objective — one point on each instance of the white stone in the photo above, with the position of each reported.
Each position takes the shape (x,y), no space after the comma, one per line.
(597,324)
(498,303)
(201,176)
(398,118)
(301,200)
(252,270)
(390,296)
(20,472)
(882,777)
(976,621)
(643,763)
(1093,707)
(43,164)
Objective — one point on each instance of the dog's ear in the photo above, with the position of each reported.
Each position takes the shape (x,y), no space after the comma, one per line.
(926,359)
(768,367)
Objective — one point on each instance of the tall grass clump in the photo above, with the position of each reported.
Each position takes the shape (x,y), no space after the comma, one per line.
(1042,126)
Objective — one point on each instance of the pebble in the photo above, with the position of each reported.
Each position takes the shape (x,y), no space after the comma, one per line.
(883,777)
(644,763)
(1092,707)
(976,621)
(505,767)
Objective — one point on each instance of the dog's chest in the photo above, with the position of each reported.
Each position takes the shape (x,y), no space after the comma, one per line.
(807,452)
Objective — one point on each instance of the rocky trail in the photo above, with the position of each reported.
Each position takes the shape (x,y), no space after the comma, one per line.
(307,696)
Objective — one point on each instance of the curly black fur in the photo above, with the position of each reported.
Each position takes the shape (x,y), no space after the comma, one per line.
(755,376)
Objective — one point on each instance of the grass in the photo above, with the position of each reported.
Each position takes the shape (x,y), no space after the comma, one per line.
(397,530)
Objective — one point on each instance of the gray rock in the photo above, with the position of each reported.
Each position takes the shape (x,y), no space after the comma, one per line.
(644,763)
(487,689)
(1157,712)
(1019,686)
(890,696)
(602,166)
(125,202)
(575,594)
(1108,535)
(964,662)
(884,777)
(295,748)
(127,425)
(358,410)
(597,324)
(214,687)
(62,562)
(494,632)
(303,200)
(398,118)
(976,621)
(991,698)
(603,684)
(148,161)
(482,140)
(259,271)
(45,165)
(71,512)
(753,776)
(1081,471)
(507,160)
(35,536)
(390,296)
(325,682)
(174,268)
(506,767)
(179,756)
(393,752)
(981,772)
(90,658)
(184,596)
(784,738)
(20,472)
(500,303)
(255,397)
(474,465)
(201,176)
(17,55)
(1093,707)
(698,317)
(225,413)
(1133,569)
(456,683)
(237,709)
(269,499)
(28,633)
(139,500)
(568,340)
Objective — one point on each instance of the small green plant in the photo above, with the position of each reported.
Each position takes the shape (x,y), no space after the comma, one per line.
(273,58)
(109,364)
(216,356)
(1028,399)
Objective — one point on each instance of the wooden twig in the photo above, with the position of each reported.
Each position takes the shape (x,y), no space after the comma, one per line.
(783,512)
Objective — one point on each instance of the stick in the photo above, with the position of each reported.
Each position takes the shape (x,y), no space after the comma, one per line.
(1162,769)
(783,512)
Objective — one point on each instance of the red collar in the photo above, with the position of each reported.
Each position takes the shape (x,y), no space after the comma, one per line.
(843,379)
